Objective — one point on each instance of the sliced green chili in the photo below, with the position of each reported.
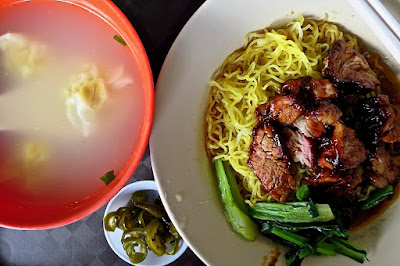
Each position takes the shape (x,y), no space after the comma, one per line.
(154,210)
(145,226)
(110,222)
(139,196)
(153,239)
(130,244)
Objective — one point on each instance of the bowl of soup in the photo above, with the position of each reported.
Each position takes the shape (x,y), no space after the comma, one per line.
(76,104)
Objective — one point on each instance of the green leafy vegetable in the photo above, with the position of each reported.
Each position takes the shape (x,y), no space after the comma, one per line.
(296,239)
(237,197)
(108,177)
(303,193)
(120,40)
(241,223)
(291,212)
(292,257)
(350,250)
(379,196)
(327,230)
(327,245)
(312,209)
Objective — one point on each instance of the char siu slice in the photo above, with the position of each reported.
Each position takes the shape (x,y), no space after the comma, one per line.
(322,89)
(344,149)
(282,109)
(345,184)
(385,168)
(350,149)
(270,163)
(294,86)
(322,177)
(329,157)
(327,113)
(392,134)
(345,66)
(309,126)
(301,148)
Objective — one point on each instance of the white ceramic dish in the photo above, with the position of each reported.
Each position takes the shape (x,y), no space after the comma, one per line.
(183,173)
(114,238)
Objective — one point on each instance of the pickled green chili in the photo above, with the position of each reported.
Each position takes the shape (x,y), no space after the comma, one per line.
(136,255)
(146,226)
(153,209)
(139,196)
(153,239)
(110,222)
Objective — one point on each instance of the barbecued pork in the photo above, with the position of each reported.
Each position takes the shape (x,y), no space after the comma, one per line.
(294,86)
(301,148)
(343,149)
(392,134)
(332,181)
(344,66)
(329,157)
(309,126)
(327,113)
(320,88)
(282,109)
(322,177)
(312,123)
(386,169)
(270,163)
(350,149)
(374,119)
(345,184)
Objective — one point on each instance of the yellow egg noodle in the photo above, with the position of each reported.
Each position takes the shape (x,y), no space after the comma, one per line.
(254,73)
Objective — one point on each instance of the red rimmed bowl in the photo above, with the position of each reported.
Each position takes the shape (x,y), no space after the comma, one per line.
(22,212)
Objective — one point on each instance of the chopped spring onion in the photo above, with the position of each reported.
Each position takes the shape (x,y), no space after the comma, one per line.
(108,177)
(120,40)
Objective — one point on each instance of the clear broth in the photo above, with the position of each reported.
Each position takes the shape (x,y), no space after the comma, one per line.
(34,109)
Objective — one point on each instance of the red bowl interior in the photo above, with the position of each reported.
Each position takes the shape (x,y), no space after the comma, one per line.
(12,214)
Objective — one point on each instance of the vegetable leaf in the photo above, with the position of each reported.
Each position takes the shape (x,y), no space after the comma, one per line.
(312,209)
(108,177)
(379,196)
(240,222)
(303,193)
(290,212)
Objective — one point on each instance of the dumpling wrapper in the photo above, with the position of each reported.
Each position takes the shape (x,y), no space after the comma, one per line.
(84,97)
(21,56)
(35,153)
(29,165)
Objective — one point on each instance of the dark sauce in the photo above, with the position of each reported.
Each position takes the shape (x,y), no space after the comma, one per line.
(273,258)
(366,118)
